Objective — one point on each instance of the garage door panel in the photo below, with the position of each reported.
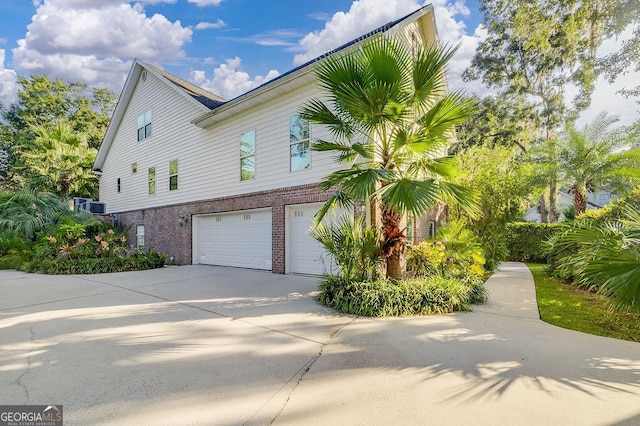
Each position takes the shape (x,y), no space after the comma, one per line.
(241,239)
(306,255)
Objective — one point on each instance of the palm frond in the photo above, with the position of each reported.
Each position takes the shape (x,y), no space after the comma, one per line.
(410,196)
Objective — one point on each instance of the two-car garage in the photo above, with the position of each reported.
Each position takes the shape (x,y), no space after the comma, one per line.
(244,239)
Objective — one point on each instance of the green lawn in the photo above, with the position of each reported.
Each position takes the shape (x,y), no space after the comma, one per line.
(570,307)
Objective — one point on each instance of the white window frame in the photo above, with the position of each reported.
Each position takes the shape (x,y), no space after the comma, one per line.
(248,155)
(173,175)
(140,237)
(144,126)
(151,180)
(294,142)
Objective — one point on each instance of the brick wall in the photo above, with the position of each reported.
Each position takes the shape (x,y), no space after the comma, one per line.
(166,233)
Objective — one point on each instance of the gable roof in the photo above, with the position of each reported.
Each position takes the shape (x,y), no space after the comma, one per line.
(216,108)
(203,99)
(303,74)
(206,98)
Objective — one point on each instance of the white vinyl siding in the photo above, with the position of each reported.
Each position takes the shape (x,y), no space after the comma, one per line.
(208,157)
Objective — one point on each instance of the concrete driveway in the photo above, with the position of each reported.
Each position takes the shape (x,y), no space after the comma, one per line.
(208,345)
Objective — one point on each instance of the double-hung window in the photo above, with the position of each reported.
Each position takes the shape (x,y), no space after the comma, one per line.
(144,126)
(173,175)
(299,152)
(248,155)
(152,180)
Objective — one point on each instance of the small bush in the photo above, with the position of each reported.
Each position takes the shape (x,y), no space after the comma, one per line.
(526,240)
(354,247)
(60,266)
(455,253)
(615,210)
(425,296)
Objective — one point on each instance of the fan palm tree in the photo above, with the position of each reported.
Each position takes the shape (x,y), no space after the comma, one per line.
(604,257)
(595,156)
(59,160)
(391,120)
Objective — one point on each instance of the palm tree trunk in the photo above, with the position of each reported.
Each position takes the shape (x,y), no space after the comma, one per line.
(394,245)
(579,202)
(65,186)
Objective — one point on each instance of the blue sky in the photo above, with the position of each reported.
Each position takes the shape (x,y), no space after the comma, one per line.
(225,46)
(94,41)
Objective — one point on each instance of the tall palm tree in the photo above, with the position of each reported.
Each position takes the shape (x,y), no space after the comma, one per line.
(595,156)
(391,120)
(59,160)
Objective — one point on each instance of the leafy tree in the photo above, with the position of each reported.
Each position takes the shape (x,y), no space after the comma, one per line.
(391,122)
(503,181)
(594,157)
(535,48)
(59,159)
(500,121)
(613,17)
(46,102)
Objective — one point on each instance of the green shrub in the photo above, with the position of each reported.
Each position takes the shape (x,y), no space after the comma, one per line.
(13,250)
(61,266)
(526,240)
(616,210)
(455,253)
(353,247)
(603,257)
(383,297)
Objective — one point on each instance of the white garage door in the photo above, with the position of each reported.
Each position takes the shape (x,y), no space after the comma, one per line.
(241,239)
(305,254)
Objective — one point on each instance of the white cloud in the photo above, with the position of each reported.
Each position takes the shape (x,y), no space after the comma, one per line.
(8,82)
(228,81)
(94,42)
(203,3)
(206,25)
(366,15)
(362,17)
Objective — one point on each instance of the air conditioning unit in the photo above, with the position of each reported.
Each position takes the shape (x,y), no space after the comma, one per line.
(80,203)
(96,207)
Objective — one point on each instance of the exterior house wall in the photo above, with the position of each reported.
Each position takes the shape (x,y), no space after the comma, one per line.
(165,233)
(208,159)
(207,148)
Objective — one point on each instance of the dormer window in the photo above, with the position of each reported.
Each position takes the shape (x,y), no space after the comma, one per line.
(144,126)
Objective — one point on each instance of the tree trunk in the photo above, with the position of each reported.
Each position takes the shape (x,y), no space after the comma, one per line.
(579,202)
(396,265)
(542,205)
(553,210)
(65,185)
(394,244)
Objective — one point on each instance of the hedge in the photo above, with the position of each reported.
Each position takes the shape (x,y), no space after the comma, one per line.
(424,296)
(525,240)
(137,262)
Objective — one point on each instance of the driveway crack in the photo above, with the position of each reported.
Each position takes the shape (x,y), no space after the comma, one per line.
(18,381)
(304,370)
